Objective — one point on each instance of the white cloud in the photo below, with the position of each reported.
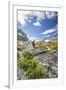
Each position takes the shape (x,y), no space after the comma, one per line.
(47,40)
(37,24)
(29,21)
(49,14)
(31,38)
(44,14)
(49,31)
(39,14)
(23,16)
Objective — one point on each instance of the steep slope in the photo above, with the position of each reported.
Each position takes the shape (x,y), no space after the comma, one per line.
(21,36)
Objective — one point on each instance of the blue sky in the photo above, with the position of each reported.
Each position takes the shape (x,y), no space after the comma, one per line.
(38,25)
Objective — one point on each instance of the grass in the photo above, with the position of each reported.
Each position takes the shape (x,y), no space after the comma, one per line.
(31,66)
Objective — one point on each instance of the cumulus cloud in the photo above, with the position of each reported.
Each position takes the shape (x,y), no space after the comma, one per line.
(37,24)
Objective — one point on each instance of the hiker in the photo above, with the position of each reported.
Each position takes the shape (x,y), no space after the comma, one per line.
(33,44)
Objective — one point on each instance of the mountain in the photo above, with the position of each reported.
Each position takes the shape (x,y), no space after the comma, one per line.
(21,36)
